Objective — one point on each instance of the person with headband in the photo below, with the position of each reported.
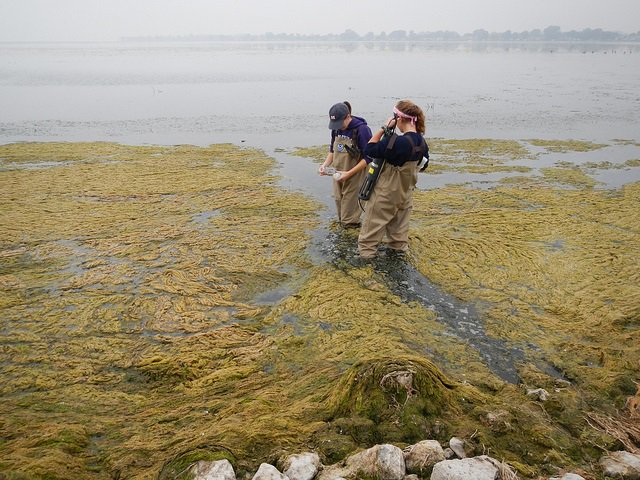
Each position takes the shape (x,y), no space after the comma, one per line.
(388,209)
(349,137)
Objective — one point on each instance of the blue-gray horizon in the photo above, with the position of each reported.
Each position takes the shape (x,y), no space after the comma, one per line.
(94,20)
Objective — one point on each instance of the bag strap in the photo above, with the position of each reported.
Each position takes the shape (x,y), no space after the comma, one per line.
(421,149)
(354,150)
(392,141)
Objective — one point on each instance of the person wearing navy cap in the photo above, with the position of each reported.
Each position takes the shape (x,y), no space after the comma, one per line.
(349,137)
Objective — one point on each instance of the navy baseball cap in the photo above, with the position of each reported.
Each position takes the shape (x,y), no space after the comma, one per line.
(337,114)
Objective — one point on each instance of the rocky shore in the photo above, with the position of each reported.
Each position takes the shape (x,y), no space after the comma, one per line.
(423,460)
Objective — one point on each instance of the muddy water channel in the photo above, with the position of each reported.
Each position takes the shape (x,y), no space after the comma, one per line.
(162,305)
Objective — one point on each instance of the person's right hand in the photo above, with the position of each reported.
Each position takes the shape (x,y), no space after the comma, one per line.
(321,170)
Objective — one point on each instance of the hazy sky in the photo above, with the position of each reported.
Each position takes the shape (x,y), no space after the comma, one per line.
(62,20)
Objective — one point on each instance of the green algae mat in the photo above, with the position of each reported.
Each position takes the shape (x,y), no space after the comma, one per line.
(134,342)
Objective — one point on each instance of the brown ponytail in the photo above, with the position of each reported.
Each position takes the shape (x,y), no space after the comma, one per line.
(410,108)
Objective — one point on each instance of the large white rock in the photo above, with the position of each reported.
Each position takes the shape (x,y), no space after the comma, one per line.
(476,468)
(422,456)
(219,470)
(385,462)
(268,472)
(568,476)
(622,465)
(304,466)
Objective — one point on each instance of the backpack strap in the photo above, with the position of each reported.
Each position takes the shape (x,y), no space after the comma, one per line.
(354,150)
(392,141)
(354,137)
(422,149)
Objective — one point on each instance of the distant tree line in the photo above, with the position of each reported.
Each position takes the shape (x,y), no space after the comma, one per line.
(550,34)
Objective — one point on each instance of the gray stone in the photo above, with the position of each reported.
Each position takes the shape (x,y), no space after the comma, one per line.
(268,472)
(333,472)
(476,468)
(457,445)
(421,457)
(449,454)
(219,470)
(304,466)
(623,465)
(539,393)
(385,462)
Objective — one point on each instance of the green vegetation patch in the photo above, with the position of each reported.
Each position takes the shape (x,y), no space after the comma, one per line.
(563,146)
(477,169)
(571,176)
(476,156)
(478,149)
(318,153)
(612,166)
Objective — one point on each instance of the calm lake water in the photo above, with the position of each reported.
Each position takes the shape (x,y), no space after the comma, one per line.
(278,94)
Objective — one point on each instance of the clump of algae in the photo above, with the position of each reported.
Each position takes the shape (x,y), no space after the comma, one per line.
(476,155)
(612,166)
(570,176)
(562,146)
(317,153)
(392,392)
(479,149)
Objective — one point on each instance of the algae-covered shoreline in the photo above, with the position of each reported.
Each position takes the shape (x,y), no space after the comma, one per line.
(133,341)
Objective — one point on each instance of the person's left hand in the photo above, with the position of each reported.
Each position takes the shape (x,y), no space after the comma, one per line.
(340,176)
(392,121)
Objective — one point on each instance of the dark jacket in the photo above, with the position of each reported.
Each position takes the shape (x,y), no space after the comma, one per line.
(400,153)
(358,127)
